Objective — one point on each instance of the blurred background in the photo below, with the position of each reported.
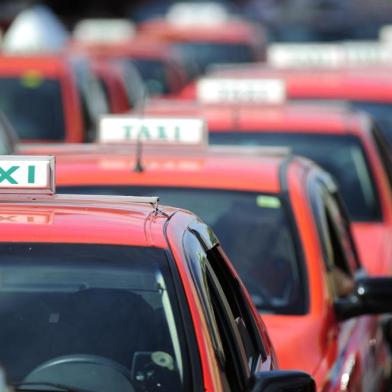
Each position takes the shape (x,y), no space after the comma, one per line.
(285,20)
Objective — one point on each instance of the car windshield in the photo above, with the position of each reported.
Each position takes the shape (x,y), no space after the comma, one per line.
(382,113)
(70,311)
(340,155)
(209,53)
(254,231)
(154,75)
(33,106)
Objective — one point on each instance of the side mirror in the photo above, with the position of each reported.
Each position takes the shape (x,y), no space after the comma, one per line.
(283,381)
(370,296)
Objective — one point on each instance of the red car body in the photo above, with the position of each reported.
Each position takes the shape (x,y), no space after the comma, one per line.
(51,68)
(230,34)
(374,238)
(113,85)
(63,86)
(337,354)
(30,220)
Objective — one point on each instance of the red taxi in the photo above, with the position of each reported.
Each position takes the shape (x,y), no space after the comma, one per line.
(364,88)
(346,144)
(50,98)
(160,69)
(105,293)
(114,41)
(208,35)
(281,221)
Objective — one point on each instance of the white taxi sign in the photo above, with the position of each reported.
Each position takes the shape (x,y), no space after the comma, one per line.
(104,30)
(153,130)
(305,55)
(366,53)
(194,13)
(241,90)
(27,174)
(347,53)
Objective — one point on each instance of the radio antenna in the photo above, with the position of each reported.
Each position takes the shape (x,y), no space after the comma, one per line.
(138,168)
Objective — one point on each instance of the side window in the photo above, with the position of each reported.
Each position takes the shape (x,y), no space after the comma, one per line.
(92,97)
(229,326)
(383,149)
(239,306)
(339,254)
(340,273)
(342,221)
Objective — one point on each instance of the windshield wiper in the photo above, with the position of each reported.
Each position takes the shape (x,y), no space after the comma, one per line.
(24,386)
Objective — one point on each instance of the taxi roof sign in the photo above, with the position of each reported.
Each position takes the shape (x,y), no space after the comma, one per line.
(179,131)
(241,90)
(104,30)
(305,55)
(27,175)
(366,53)
(346,53)
(197,13)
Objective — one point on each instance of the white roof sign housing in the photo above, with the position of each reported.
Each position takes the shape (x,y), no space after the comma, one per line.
(104,30)
(222,90)
(26,174)
(346,53)
(305,55)
(153,130)
(188,14)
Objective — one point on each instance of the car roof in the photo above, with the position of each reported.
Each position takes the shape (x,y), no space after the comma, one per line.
(217,168)
(288,117)
(82,219)
(229,31)
(49,65)
(373,83)
(138,47)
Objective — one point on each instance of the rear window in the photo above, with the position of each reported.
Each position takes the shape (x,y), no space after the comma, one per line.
(72,310)
(381,112)
(154,75)
(340,155)
(209,53)
(33,106)
(255,232)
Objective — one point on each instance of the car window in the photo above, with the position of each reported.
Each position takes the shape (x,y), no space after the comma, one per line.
(92,97)
(341,275)
(341,155)
(209,53)
(384,151)
(34,106)
(154,75)
(239,305)
(134,85)
(94,305)
(197,258)
(339,255)
(261,221)
(381,112)
(232,351)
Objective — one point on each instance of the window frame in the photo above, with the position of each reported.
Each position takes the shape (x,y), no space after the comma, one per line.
(230,346)
(325,203)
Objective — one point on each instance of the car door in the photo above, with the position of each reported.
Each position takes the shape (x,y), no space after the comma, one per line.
(361,348)
(235,330)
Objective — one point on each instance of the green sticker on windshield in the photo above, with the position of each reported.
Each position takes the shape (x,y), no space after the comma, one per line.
(267,201)
(31,79)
